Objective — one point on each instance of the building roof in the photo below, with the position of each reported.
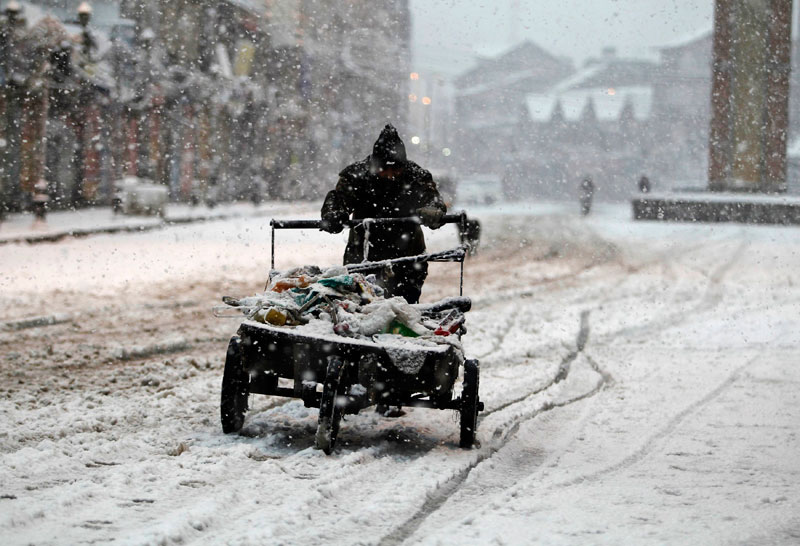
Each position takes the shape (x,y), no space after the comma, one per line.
(577,79)
(688,39)
(606,86)
(608,104)
(614,72)
(105,13)
(500,83)
(541,107)
(522,54)
(524,61)
(32,13)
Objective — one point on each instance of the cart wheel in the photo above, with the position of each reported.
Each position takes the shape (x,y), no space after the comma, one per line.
(235,380)
(330,413)
(469,403)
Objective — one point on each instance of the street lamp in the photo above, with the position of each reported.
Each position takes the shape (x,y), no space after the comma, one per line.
(78,196)
(12,11)
(6,35)
(84,16)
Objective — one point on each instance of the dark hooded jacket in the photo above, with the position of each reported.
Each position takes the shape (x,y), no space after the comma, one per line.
(360,193)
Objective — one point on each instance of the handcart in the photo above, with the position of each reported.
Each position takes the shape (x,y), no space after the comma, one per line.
(343,375)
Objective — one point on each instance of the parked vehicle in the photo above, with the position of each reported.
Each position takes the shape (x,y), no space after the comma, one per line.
(139,196)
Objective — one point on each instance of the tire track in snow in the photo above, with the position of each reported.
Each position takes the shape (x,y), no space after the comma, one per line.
(488,302)
(501,437)
(498,299)
(563,368)
(709,300)
(711,297)
(605,251)
(444,491)
(668,429)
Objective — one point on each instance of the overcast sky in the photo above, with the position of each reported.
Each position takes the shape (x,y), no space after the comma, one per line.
(447,34)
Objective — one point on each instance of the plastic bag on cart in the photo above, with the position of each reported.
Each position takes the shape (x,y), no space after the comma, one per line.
(352,303)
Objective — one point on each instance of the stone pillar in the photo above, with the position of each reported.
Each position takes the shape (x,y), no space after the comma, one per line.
(750,95)
(779,53)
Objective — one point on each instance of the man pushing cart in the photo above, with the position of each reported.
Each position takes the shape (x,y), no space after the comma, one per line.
(346,338)
(386,185)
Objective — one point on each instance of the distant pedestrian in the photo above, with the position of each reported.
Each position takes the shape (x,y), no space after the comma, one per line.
(644,184)
(586,194)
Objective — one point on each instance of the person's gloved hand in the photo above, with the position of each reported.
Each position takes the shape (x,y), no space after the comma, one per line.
(332,223)
(431,217)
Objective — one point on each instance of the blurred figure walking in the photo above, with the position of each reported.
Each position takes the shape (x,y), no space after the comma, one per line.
(644,184)
(586,194)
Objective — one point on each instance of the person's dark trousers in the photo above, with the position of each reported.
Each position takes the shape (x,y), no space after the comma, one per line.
(407,281)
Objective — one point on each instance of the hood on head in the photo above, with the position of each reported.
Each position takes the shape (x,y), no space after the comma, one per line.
(388,150)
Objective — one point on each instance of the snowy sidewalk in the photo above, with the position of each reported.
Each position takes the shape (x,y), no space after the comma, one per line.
(23,227)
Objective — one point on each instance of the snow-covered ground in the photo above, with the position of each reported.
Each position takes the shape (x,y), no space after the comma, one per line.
(676,419)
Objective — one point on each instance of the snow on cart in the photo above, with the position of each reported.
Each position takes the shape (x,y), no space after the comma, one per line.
(330,338)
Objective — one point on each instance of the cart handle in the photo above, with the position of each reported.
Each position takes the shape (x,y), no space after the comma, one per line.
(453,255)
(459,218)
(317,224)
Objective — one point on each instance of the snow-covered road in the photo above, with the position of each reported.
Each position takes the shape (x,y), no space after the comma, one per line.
(640,381)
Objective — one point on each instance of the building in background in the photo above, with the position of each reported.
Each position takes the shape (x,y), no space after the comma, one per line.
(615,119)
(54,94)
(489,103)
(227,98)
(597,122)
